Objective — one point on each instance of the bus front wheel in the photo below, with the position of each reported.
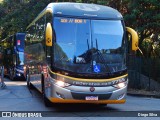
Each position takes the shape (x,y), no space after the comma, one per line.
(103,105)
(47,102)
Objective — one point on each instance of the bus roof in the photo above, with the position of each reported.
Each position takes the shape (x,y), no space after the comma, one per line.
(80,10)
(16,34)
(20,34)
(84,10)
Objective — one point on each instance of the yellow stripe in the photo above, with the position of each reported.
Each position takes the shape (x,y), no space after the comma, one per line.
(88,80)
(58,100)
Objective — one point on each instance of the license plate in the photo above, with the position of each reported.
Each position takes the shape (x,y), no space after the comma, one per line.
(91,97)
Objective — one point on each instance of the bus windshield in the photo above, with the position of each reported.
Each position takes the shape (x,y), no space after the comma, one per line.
(89,46)
(20,58)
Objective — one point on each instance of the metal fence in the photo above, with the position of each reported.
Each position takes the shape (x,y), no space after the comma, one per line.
(144,73)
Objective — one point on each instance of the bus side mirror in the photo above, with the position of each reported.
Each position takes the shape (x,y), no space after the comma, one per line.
(134,38)
(49,34)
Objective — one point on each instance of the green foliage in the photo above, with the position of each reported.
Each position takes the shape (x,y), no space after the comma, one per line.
(17,14)
(142,15)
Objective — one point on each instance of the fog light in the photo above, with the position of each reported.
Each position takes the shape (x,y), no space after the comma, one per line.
(60,95)
(121,96)
(62,84)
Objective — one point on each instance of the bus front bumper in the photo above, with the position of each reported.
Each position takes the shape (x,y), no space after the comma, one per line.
(106,95)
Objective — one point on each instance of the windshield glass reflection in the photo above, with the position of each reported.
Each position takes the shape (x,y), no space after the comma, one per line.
(20,59)
(89,46)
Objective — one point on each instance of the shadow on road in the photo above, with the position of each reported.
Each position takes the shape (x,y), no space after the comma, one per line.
(81,107)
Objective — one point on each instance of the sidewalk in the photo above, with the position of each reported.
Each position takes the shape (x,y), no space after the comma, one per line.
(143,93)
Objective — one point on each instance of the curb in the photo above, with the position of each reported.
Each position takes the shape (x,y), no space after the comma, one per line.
(144,95)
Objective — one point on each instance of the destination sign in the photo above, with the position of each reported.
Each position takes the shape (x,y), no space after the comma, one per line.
(65,20)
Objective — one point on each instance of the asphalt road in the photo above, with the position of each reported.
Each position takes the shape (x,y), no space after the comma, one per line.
(17,97)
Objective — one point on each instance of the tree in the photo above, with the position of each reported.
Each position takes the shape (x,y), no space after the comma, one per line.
(142,15)
(145,17)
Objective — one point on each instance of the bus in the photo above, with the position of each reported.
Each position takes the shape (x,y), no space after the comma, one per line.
(12,56)
(76,53)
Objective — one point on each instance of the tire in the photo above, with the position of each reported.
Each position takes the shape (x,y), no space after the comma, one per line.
(103,105)
(47,102)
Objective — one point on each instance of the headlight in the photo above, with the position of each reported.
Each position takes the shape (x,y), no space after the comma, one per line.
(120,85)
(18,74)
(62,84)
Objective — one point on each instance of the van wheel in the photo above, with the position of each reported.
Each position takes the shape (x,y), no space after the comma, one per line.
(47,102)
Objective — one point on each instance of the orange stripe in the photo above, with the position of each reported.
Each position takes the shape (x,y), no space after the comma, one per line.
(58,100)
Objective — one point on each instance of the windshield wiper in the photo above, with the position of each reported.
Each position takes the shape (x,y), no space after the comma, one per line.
(102,58)
(85,57)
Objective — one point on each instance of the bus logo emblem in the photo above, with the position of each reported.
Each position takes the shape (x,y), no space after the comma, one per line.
(92,89)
